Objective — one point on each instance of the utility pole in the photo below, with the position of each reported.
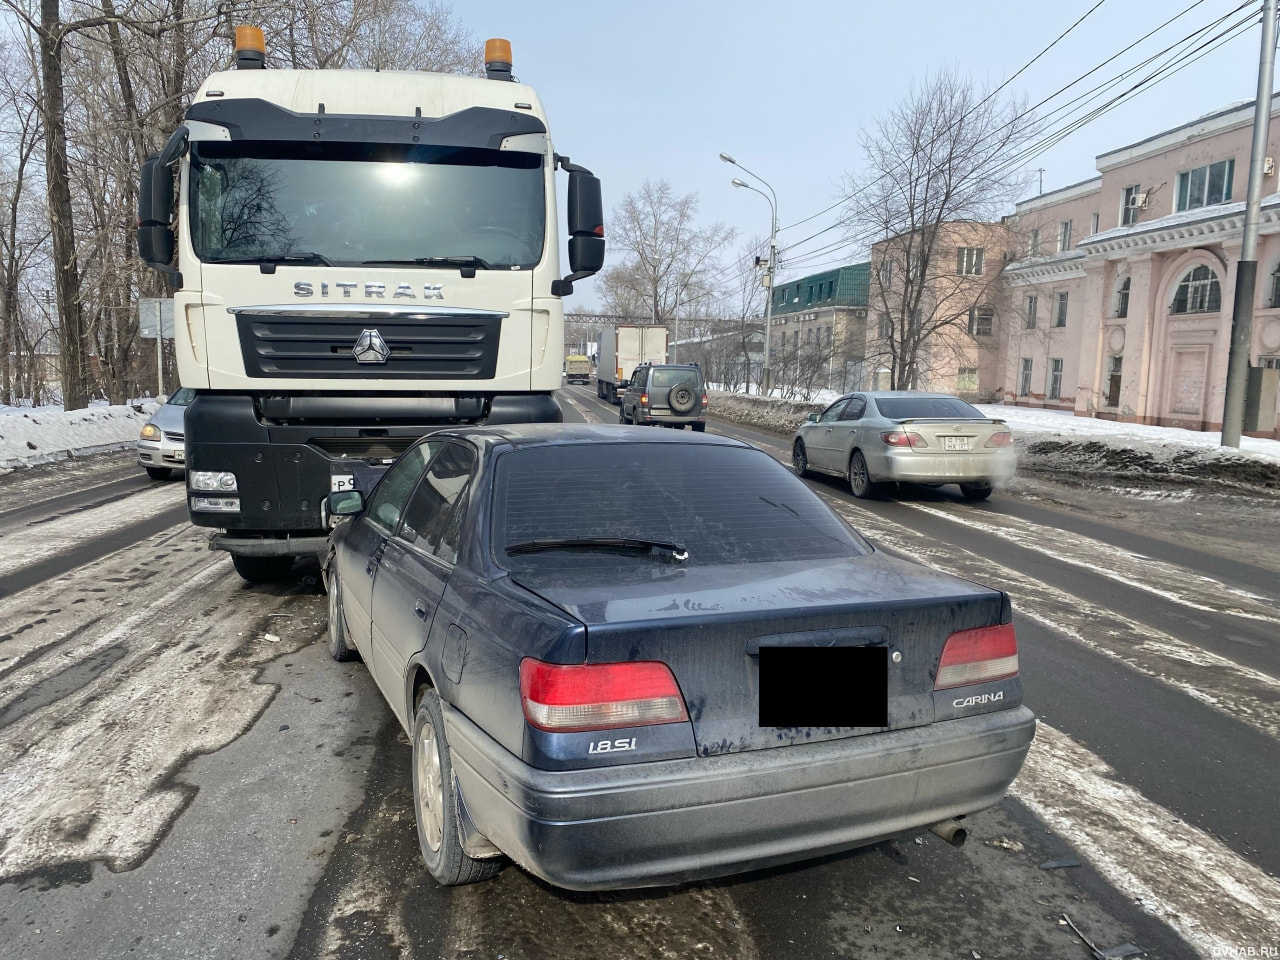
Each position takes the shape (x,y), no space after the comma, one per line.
(1247,268)
(1040,170)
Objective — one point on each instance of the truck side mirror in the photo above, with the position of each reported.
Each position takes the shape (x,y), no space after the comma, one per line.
(155,213)
(586,227)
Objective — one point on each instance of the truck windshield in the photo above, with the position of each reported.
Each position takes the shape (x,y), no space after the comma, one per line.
(358,203)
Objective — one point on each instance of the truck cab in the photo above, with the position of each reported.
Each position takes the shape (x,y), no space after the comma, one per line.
(358,258)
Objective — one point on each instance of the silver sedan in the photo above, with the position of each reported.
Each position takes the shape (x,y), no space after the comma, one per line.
(906,436)
(162,443)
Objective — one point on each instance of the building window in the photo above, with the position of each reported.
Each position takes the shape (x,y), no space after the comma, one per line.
(969,261)
(1113,384)
(1272,363)
(1122,300)
(1129,206)
(1064,236)
(885,274)
(1206,185)
(1032,303)
(1198,293)
(1275,287)
(1055,378)
(808,335)
(886,327)
(1060,314)
(1093,224)
(1024,378)
(967,380)
(828,334)
(1033,244)
(981,321)
(831,289)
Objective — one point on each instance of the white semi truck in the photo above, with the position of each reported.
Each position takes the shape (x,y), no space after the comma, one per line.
(621,350)
(358,257)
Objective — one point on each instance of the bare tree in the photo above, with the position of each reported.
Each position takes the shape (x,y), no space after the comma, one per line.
(940,170)
(668,259)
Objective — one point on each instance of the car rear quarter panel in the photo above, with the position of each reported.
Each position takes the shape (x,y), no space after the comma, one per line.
(482,630)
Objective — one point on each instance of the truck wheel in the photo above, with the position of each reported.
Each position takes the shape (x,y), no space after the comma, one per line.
(262,569)
(681,397)
(435,803)
(158,473)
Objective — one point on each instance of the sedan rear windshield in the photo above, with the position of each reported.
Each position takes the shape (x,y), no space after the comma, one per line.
(723,505)
(928,408)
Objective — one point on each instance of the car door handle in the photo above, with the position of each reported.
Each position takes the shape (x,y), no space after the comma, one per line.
(420,610)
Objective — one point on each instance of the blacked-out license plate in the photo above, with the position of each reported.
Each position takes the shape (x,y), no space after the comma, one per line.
(824,686)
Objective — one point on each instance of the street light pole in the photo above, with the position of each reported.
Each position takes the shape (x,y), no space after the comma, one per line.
(1233,402)
(766,374)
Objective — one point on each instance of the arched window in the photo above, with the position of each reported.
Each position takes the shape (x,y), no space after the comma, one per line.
(1198,293)
(1122,300)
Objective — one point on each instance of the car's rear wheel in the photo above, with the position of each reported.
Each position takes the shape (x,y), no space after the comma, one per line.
(435,804)
(262,569)
(976,491)
(159,473)
(860,481)
(800,459)
(681,398)
(338,647)
(622,415)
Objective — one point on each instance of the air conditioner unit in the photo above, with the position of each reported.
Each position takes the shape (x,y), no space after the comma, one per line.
(1140,201)
(1268,166)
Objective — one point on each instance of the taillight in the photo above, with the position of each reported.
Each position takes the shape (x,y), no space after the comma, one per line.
(977,656)
(1004,439)
(899,438)
(599,696)
(644,398)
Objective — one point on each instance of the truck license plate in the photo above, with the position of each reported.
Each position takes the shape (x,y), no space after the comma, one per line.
(955,443)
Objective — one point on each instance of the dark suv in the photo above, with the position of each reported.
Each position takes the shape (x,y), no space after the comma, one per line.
(670,394)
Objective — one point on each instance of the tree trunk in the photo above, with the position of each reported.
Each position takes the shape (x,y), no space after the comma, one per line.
(72,341)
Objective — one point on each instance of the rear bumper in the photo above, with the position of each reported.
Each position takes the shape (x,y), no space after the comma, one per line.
(676,820)
(913,467)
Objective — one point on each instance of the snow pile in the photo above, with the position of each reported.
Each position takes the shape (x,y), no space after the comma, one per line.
(30,436)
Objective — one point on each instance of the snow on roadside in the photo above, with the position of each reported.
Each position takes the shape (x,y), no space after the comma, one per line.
(29,436)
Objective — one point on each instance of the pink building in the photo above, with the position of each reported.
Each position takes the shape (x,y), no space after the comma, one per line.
(1122,299)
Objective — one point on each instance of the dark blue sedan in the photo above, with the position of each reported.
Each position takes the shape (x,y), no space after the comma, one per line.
(627,658)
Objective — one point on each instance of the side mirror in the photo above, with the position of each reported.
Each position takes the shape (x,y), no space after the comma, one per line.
(155,213)
(813,417)
(586,227)
(345,503)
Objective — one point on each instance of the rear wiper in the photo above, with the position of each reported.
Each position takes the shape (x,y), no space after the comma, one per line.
(677,551)
(299,257)
(436,262)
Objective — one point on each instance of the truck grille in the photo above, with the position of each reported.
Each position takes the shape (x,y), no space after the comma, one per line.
(312,346)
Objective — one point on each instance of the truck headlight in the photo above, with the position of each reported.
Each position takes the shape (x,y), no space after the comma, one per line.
(214,480)
(150,432)
(215,504)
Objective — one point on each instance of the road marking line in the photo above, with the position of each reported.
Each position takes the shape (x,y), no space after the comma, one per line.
(1189,589)
(1215,898)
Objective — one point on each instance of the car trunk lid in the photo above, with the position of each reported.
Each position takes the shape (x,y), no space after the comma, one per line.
(708,624)
(954,436)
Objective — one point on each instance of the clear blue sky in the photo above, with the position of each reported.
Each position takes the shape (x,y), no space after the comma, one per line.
(658,89)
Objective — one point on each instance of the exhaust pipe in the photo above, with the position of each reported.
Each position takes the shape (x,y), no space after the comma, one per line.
(950,831)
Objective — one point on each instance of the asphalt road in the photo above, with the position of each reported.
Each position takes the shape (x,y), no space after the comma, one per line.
(184,773)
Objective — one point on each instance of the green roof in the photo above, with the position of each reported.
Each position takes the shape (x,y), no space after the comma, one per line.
(847,286)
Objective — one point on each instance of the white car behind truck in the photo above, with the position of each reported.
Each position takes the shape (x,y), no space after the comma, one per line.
(622,349)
